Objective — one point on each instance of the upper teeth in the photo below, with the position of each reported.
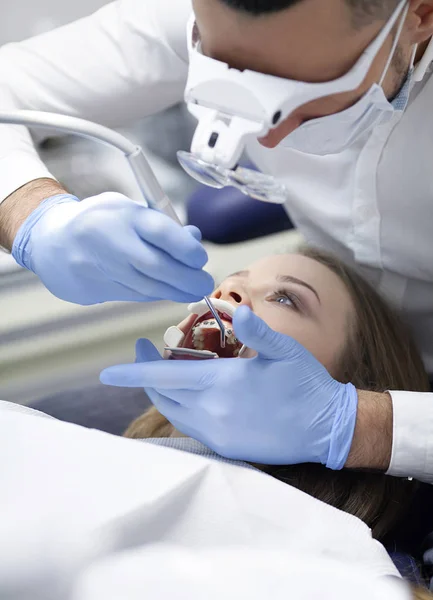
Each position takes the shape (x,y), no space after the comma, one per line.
(201,308)
(174,336)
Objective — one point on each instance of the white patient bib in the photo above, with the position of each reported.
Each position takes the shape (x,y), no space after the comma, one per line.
(88,511)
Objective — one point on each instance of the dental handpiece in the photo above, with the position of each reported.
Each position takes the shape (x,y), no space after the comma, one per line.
(150,189)
(150,185)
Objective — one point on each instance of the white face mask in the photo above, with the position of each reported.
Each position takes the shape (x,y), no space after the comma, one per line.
(334,133)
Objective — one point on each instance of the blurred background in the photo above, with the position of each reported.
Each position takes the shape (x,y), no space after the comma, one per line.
(48,346)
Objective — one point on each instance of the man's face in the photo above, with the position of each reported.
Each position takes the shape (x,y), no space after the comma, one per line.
(312,41)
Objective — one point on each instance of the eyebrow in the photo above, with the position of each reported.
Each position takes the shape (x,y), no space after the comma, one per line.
(283,279)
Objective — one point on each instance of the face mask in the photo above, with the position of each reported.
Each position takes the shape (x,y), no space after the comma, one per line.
(335,133)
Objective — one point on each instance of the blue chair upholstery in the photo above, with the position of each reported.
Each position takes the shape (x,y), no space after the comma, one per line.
(100,407)
(227,216)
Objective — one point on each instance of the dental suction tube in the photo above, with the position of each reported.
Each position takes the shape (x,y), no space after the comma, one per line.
(150,188)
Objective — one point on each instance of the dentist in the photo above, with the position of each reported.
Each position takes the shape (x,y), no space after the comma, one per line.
(355,159)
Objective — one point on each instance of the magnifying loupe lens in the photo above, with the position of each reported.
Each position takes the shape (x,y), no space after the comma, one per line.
(200,170)
(252,183)
(259,186)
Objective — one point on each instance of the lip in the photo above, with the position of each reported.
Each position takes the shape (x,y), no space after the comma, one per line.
(186,336)
(223,307)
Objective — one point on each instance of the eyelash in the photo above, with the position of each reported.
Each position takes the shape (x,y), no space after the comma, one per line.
(295,302)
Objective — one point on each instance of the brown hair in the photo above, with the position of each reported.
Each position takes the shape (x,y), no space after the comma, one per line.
(379,355)
(419,593)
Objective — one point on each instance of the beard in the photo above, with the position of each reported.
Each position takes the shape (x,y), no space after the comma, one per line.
(400,67)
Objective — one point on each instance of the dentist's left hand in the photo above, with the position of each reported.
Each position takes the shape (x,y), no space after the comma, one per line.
(281,407)
(109,248)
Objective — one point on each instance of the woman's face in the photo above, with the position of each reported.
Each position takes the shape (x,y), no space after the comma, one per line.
(296,296)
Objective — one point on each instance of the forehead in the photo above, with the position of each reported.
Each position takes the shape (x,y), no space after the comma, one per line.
(312,40)
(327,284)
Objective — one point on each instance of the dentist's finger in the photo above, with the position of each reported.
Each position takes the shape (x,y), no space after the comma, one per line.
(162,232)
(194,231)
(257,335)
(169,409)
(162,375)
(145,351)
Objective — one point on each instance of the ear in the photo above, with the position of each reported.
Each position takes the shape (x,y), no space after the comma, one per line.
(422,15)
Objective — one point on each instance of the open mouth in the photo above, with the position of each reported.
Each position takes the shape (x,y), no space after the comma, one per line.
(203,335)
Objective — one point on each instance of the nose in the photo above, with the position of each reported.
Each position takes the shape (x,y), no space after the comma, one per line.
(232,291)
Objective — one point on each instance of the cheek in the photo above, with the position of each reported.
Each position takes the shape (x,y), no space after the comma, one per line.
(321,343)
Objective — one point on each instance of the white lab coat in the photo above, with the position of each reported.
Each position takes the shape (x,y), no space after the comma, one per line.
(372,204)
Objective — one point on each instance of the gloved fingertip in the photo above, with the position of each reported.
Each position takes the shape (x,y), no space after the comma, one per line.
(242,319)
(105,376)
(121,376)
(197,257)
(208,284)
(204,287)
(243,313)
(145,351)
(252,331)
(195,232)
(139,343)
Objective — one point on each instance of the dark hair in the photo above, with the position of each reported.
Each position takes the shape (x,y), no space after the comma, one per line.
(363,11)
(379,355)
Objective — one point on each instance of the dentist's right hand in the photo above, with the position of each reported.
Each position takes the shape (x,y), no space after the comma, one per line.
(108,248)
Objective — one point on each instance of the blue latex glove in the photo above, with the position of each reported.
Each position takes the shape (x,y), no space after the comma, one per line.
(281,407)
(111,248)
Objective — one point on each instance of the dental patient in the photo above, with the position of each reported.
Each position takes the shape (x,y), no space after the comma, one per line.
(345,324)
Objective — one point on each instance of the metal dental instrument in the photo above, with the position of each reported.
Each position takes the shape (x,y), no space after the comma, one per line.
(153,194)
(219,322)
